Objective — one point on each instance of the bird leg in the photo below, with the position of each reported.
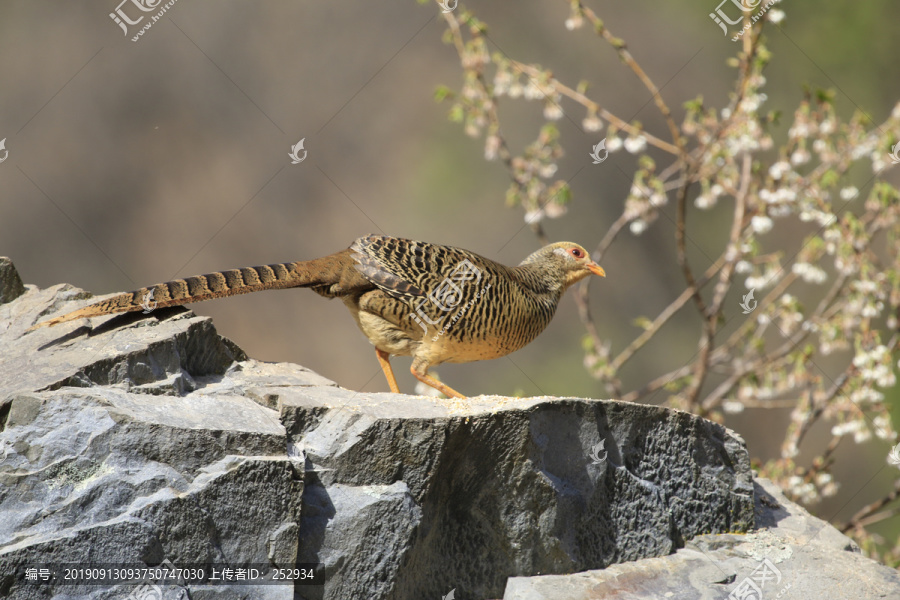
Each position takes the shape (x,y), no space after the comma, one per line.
(384,359)
(419,369)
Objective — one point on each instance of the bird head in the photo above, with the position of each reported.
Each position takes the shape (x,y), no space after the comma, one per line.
(571,261)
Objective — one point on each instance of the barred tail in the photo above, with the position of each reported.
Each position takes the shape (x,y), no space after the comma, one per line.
(212,285)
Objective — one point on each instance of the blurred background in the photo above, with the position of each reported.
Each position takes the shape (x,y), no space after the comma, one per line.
(132,163)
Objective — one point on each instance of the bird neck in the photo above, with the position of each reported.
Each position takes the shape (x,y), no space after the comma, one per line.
(541,279)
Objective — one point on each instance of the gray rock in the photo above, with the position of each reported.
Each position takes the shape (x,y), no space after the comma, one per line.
(507,486)
(11,286)
(116,477)
(174,347)
(361,533)
(792,556)
(143,438)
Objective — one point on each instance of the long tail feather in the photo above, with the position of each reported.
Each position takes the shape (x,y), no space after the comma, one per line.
(319,272)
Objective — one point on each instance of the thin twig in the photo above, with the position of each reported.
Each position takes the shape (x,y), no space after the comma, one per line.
(664,316)
(712,315)
(868,510)
(625,56)
(534,73)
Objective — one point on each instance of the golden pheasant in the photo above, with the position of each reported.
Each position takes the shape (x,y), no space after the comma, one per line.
(435,303)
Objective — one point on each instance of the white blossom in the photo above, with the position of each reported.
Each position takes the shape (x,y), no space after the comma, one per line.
(532,91)
(825,218)
(534,216)
(635,144)
(832,237)
(800,129)
(866,394)
(491,147)
(751,103)
(705,201)
(574,22)
(849,193)
(777,170)
(744,143)
(800,156)
(805,491)
(761,224)
(554,210)
(502,82)
(883,428)
(732,407)
(786,195)
(553,111)
(756,281)
(865,286)
(842,429)
(548,170)
(638,226)
(779,210)
(809,273)
(471,92)
(592,123)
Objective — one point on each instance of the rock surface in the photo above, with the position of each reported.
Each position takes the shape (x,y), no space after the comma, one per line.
(792,556)
(498,486)
(147,438)
(11,286)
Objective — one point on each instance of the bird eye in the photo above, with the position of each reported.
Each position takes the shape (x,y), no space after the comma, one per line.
(577,253)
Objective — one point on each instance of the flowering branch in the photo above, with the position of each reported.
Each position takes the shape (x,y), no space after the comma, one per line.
(852,241)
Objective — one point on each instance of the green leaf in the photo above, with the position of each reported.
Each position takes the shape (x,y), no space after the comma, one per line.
(830,178)
(645,162)
(560,193)
(513,195)
(695,105)
(825,96)
(442,92)
(457,114)
(587,343)
(642,322)
(550,131)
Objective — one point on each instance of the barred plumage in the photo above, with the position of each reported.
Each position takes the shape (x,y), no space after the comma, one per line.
(435,303)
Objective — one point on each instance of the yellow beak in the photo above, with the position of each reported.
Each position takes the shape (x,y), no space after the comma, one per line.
(596,269)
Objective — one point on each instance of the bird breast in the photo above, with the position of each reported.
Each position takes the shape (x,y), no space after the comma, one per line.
(482,322)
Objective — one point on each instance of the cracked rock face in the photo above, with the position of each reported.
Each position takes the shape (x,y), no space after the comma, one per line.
(793,556)
(143,438)
(499,486)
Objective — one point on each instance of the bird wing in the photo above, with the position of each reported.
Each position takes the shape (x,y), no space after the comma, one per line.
(409,270)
